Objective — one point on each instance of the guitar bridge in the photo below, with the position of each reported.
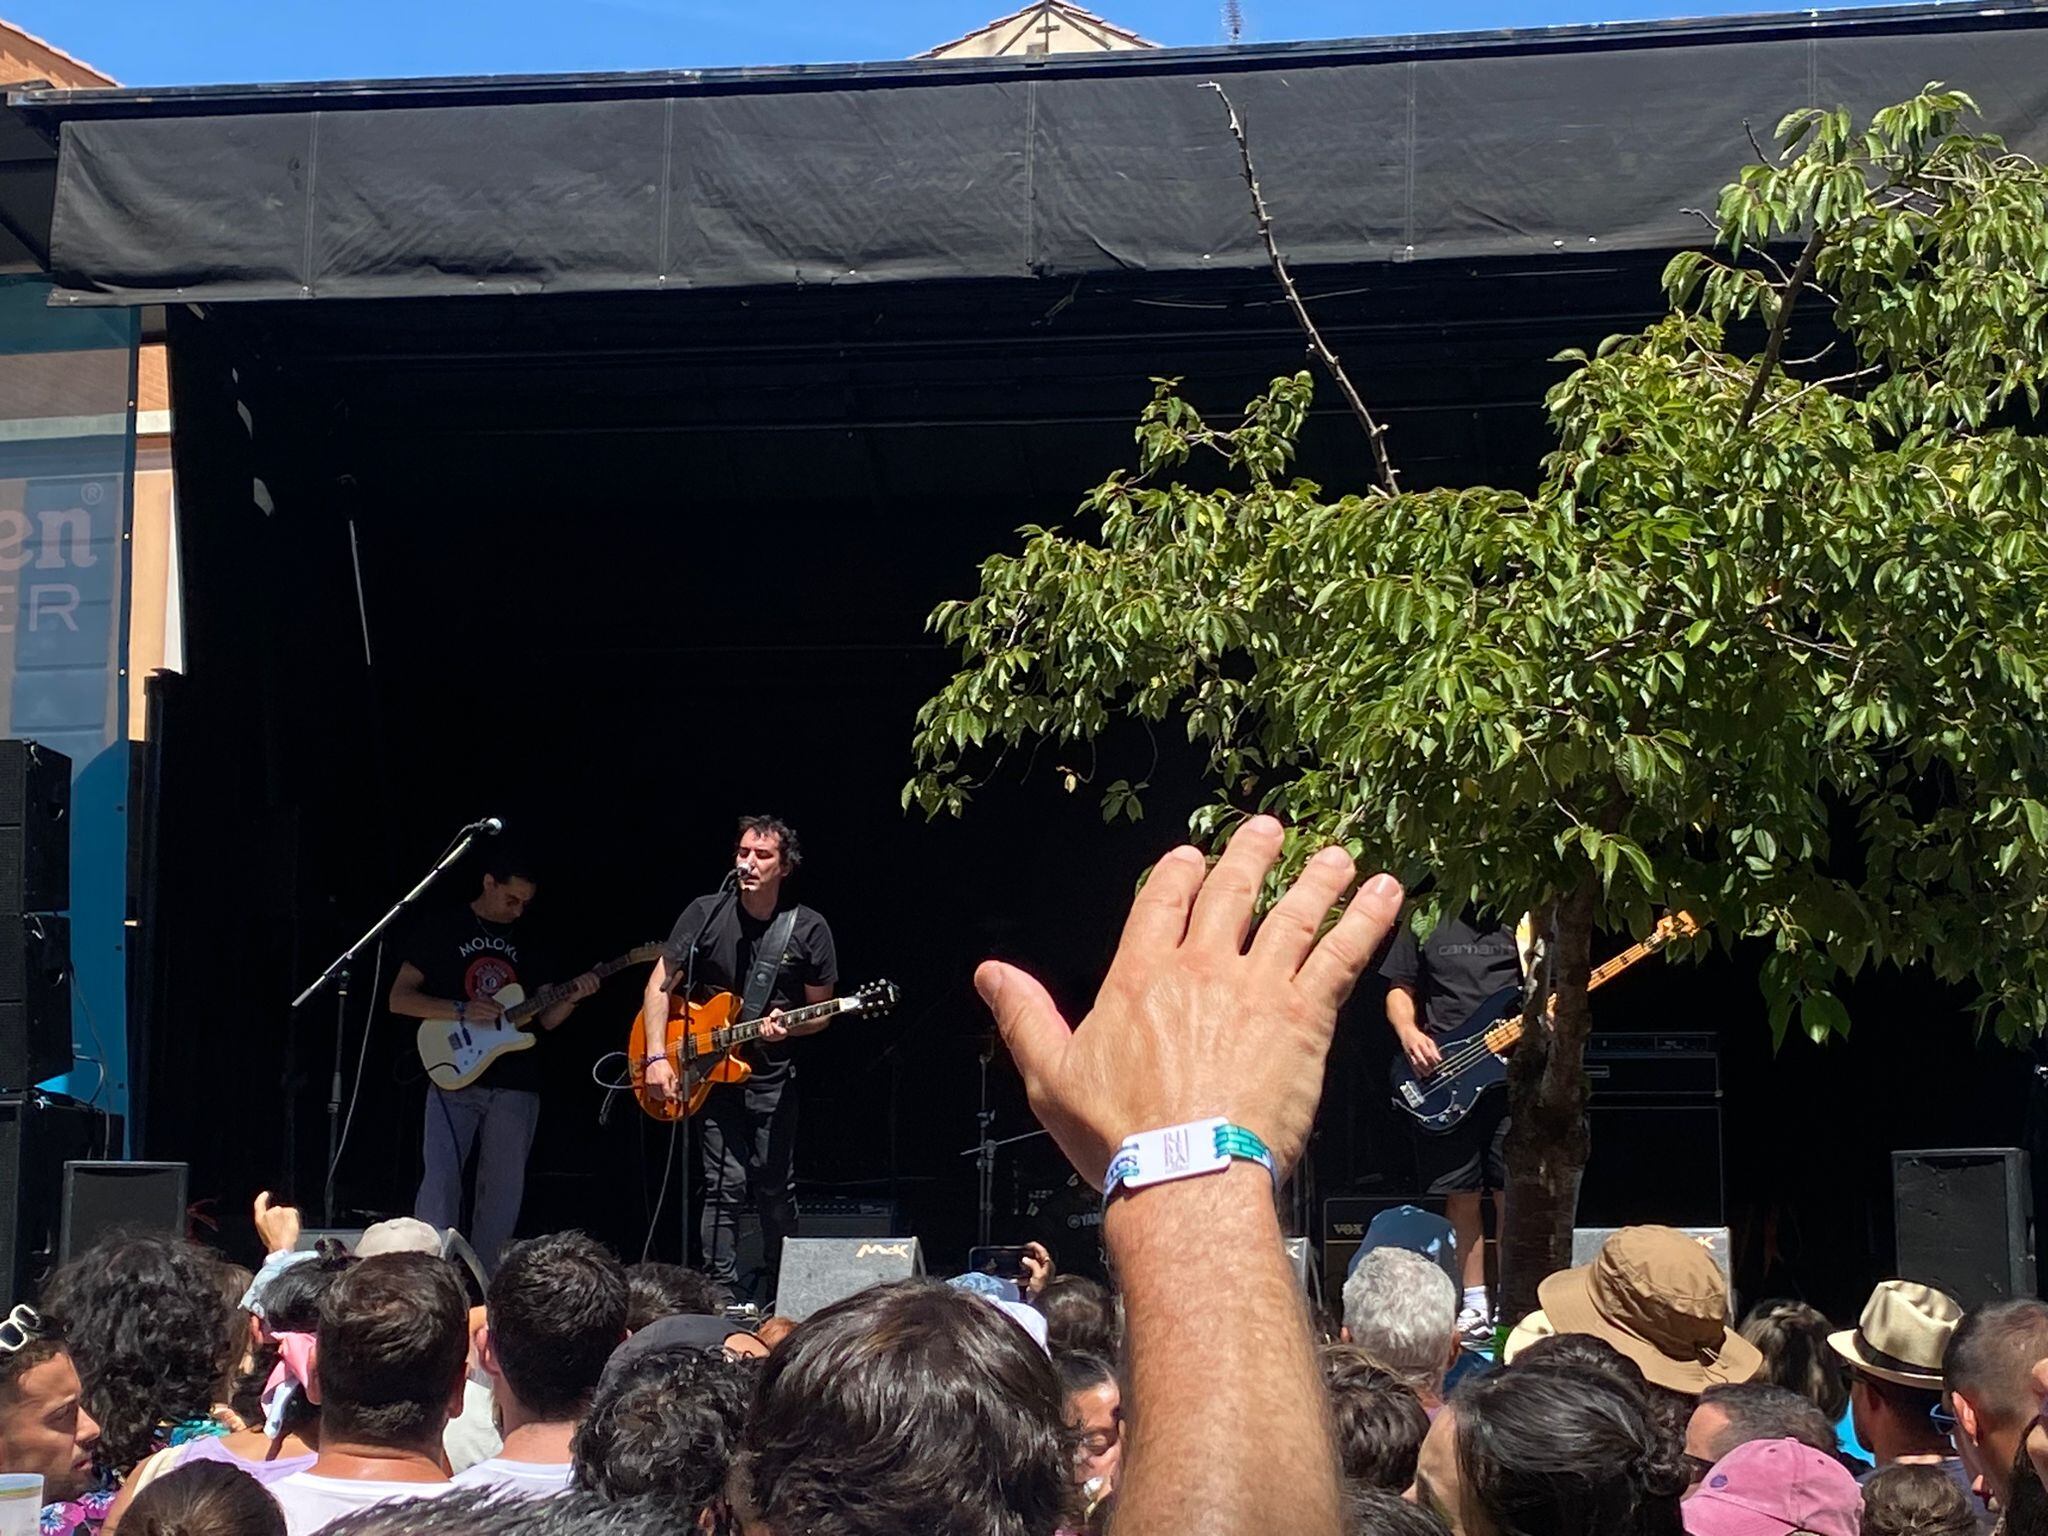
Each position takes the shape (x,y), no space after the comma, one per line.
(1411,1095)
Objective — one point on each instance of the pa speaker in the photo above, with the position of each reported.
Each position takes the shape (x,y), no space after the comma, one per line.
(817,1271)
(37,1136)
(35,828)
(1962,1222)
(105,1197)
(35,999)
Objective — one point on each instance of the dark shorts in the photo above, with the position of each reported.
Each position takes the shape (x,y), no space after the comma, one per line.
(1472,1159)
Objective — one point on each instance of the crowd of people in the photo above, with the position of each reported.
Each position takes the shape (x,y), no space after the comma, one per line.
(159,1391)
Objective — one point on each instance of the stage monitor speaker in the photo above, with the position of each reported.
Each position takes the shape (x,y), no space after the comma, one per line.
(35,828)
(817,1271)
(1962,1220)
(35,999)
(1653,1162)
(1586,1243)
(38,1135)
(105,1197)
(1301,1258)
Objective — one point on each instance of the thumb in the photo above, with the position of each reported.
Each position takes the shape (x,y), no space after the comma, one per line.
(1026,1017)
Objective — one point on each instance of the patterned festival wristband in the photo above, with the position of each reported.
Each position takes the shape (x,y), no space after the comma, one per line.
(1184,1152)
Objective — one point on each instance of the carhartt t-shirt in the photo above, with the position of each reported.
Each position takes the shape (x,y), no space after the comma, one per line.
(310,1501)
(527,1479)
(1458,967)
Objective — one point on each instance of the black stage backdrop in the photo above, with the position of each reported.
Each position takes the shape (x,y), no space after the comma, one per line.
(633,566)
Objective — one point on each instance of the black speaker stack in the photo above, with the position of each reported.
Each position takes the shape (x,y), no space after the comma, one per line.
(38,1132)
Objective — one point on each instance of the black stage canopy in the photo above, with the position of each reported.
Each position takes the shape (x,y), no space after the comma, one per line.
(1569,140)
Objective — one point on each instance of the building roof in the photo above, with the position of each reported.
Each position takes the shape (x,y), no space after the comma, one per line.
(1048,26)
(25,57)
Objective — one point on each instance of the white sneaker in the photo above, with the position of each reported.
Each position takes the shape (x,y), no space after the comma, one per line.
(1475,1328)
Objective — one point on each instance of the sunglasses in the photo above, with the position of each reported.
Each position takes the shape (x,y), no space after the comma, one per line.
(1943,1420)
(22,1327)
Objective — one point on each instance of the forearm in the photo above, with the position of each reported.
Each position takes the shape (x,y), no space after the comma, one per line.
(654,1011)
(1228,1424)
(1401,1010)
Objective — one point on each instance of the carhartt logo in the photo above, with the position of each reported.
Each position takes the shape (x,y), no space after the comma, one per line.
(882,1251)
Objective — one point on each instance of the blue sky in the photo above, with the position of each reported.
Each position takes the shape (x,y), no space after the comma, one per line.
(181,42)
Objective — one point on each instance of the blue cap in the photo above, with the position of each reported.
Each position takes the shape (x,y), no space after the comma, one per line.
(1411,1227)
(986,1285)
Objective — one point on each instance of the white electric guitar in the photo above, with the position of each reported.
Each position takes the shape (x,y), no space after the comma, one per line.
(456,1053)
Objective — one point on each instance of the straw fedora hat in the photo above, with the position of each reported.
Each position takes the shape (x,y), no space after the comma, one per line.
(1658,1297)
(1902,1335)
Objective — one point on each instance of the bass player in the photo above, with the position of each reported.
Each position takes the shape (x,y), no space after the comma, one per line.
(778,954)
(452,964)
(1432,988)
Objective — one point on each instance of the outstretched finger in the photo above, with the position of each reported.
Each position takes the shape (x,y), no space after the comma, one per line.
(1026,1017)
(1159,912)
(1288,932)
(1335,964)
(1223,911)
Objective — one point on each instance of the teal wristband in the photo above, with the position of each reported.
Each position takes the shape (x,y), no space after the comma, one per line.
(1184,1152)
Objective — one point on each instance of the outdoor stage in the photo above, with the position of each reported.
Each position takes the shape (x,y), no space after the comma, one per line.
(477,518)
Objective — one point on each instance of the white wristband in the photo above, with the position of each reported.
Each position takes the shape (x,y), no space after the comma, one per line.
(1183,1152)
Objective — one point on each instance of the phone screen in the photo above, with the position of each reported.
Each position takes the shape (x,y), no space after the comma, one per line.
(1005,1263)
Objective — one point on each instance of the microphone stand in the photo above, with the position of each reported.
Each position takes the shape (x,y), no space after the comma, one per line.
(685,986)
(338,973)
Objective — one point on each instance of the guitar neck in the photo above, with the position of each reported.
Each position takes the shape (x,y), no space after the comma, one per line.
(547,997)
(1509,1031)
(740,1034)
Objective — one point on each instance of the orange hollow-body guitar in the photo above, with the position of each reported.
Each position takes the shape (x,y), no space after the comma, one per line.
(702,1039)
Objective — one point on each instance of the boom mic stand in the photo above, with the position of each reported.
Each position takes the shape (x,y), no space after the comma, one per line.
(338,972)
(984,1151)
(685,986)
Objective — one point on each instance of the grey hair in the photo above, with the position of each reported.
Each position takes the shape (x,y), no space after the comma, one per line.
(1402,1310)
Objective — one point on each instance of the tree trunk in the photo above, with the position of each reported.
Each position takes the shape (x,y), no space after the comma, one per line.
(1547,1140)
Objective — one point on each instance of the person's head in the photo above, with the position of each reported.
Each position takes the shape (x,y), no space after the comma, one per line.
(1095,1414)
(1580,1349)
(656,1290)
(1775,1486)
(1080,1316)
(1916,1501)
(1793,1339)
(204,1498)
(394,1345)
(557,1310)
(1656,1295)
(509,885)
(936,1406)
(1751,1410)
(44,1426)
(489,1512)
(1894,1355)
(667,1427)
(1380,1422)
(766,853)
(1402,1310)
(1987,1375)
(1552,1452)
(290,1303)
(1376,1512)
(151,1334)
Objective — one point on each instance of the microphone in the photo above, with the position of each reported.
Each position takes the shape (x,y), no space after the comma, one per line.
(490,826)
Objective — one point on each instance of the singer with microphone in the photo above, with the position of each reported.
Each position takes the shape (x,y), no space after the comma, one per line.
(452,965)
(750,939)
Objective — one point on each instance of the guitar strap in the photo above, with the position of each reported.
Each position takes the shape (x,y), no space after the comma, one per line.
(768,958)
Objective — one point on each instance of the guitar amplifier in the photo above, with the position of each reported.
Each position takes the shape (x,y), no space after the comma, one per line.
(1677,1068)
(1345,1218)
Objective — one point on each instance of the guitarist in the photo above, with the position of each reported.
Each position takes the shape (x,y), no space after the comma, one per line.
(747,1139)
(1432,988)
(452,965)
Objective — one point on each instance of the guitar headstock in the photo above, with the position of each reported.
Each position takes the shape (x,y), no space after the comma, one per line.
(645,954)
(875,997)
(1674,925)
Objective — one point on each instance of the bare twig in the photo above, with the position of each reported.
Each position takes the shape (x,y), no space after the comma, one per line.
(1751,133)
(1374,432)
(1802,274)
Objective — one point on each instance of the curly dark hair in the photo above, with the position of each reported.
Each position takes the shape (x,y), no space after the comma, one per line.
(152,1336)
(1916,1501)
(907,1407)
(1380,1421)
(1794,1339)
(204,1498)
(668,1426)
(1565,1450)
(786,842)
(658,1290)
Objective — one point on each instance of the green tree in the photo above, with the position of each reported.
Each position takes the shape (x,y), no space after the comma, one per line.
(1767,643)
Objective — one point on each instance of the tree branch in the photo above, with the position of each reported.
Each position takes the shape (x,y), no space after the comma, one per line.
(1802,274)
(1374,432)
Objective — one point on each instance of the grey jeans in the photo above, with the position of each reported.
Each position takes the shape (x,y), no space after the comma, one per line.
(504,1119)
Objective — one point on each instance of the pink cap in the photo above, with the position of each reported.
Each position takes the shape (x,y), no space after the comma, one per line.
(1771,1487)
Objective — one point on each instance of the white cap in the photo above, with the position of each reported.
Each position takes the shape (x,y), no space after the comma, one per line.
(401,1234)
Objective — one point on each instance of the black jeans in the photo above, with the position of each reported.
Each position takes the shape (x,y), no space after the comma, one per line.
(747,1143)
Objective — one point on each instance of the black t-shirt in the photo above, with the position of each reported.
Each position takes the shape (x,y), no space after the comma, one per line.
(461,956)
(1454,970)
(726,954)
